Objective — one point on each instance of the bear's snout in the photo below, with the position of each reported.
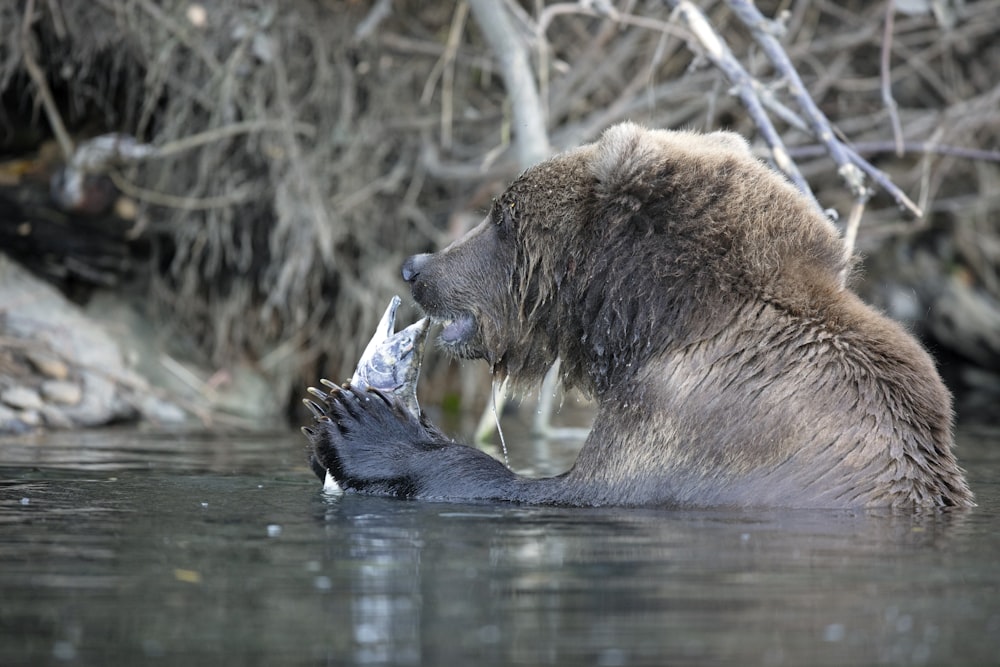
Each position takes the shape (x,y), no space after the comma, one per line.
(413,266)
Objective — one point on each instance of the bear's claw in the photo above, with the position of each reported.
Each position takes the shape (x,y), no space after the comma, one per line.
(314,408)
(365,438)
(321,395)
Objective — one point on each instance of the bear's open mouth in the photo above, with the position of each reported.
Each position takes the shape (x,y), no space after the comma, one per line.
(457,330)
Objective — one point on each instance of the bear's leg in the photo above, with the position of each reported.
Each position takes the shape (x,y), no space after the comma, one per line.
(370,443)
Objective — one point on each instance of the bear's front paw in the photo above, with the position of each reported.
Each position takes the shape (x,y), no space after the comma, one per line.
(364,438)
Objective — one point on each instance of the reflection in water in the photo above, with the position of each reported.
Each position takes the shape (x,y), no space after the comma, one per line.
(438,583)
(385,595)
(235,555)
(130,449)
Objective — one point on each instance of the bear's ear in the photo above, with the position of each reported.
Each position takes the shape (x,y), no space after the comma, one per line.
(736,143)
(625,157)
(632,164)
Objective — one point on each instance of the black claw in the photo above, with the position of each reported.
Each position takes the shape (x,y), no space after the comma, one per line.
(308,432)
(313,408)
(329,385)
(346,405)
(381,394)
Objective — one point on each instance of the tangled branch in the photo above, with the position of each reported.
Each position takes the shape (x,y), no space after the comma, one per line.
(303,149)
(511,52)
(720,55)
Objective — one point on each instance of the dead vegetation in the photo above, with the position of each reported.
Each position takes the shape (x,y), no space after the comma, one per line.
(304,148)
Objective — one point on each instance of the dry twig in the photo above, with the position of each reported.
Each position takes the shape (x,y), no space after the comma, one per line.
(28,49)
(850,165)
(531,137)
(720,55)
(887,98)
(310,108)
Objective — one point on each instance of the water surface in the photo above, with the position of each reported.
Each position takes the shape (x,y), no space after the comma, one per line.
(126,547)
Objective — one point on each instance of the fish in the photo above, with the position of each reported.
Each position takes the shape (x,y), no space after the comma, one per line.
(390,363)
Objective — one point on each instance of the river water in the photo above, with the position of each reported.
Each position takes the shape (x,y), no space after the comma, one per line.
(127,548)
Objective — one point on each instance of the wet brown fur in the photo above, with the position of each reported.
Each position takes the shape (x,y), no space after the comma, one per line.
(697,295)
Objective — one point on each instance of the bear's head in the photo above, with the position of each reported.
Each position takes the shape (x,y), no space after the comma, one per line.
(613,252)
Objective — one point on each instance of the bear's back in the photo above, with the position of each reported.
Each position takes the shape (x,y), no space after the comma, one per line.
(762,379)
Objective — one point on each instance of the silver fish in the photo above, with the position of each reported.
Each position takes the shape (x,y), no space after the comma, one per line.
(391,363)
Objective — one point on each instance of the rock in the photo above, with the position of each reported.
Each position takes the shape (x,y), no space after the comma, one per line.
(160,411)
(55,418)
(967,320)
(35,311)
(10,421)
(21,397)
(250,395)
(96,365)
(243,391)
(62,392)
(48,364)
(30,417)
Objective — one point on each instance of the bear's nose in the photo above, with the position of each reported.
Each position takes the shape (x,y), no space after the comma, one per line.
(413,266)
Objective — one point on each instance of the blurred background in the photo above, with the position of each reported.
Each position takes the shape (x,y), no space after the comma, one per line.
(204,205)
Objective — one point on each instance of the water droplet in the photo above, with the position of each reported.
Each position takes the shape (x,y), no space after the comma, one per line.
(833,632)
(63,650)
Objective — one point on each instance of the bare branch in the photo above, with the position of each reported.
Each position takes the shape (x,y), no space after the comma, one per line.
(851,232)
(379,12)
(720,55)
(28,48)
(184,203)
(887,98)
(851,166)
(929,147)
(530,135)
(192,141)
(444,69)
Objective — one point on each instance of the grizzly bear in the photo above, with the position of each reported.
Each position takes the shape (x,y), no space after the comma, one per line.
(699,298)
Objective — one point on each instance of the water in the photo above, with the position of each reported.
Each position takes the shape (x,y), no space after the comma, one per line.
(126,548)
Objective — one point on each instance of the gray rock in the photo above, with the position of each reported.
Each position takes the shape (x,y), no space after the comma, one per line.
(55,418)
(30,417)
(21,397)
(242,393)
(63,392)
(96,365)
(10,421)
(48,364)
(35,311)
